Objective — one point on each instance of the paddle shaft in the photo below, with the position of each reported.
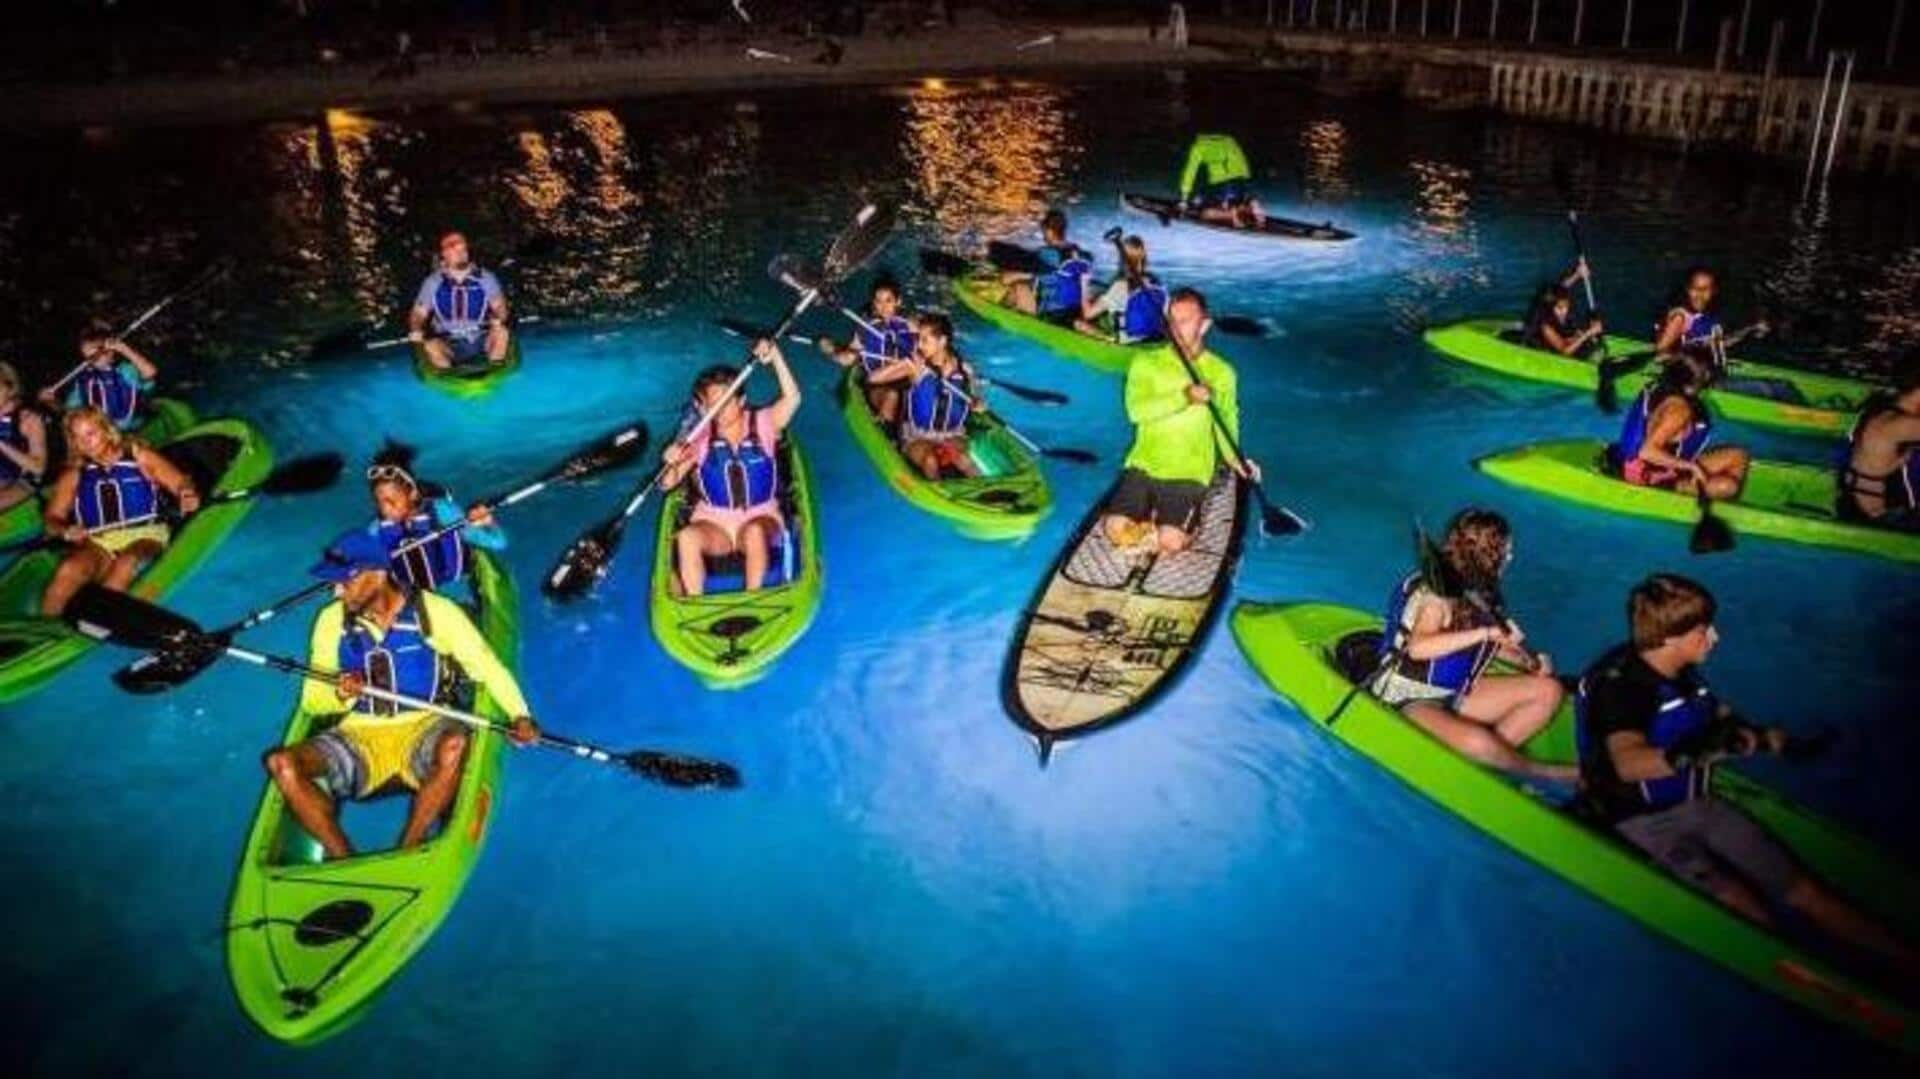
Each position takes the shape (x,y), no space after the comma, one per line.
(1586,278)
(144,318)
(1219,422)
(390,342)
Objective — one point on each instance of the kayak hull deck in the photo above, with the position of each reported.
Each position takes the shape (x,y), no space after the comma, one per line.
(1289,645)
(468,380)
(1170,211)
(296,970)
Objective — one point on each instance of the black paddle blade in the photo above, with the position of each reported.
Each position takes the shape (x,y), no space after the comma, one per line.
(119,618)
(303,475)
(860,242)
(1239,326)
(169,667)
(1710,534)
(1281,521)
(1078,457)
(793,272)
(1028,393)
(586,562)
(622,447)
(1607,394)
(1013,257)
(679,770)
(944,263)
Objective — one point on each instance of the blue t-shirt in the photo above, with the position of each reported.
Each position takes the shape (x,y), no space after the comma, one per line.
(459,305)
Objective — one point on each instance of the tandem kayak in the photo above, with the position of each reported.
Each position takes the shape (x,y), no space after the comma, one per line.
(1760,394)
(1293,647)
(729,636)
(219,455)
(166,417)
(1782,500)
(1174,212)
(1007,499)
(310,942)
(477,379)
(981,295)
(1111,630)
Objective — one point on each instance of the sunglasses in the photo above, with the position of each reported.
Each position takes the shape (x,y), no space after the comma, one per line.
(383,473)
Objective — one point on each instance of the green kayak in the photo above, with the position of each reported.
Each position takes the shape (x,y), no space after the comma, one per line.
(311,942)
(166,417)
(220,455)
(981,295)
(477,379)
(1005,501)
(1291,646)
(1780,398)
(1782,500)
(729,636)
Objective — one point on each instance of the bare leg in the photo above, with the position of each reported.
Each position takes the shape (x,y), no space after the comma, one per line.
(128,563)
(885,402)
(691,547)
(1020,297)
(1477,741)
(293,769)
(1739,898)
(497,345)
(81,565)
(439,354)
(1840,920)
(1726,470)
(756,547)
(1125,531)
(1516,706)
(921,455)
(436,791)
(1173,540)
(13,494)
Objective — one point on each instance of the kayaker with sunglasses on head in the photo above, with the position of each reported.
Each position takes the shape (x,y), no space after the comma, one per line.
(407,510)
(464,307)
(1445,627)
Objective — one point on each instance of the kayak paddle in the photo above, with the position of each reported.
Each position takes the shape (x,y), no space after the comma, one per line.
(123,619)
(1606,395)
(214,272)
(1025,393)
(1002,256)
(162,670)
(1078,457)
(391,342)
(1274,520)
(586,561)
(1711,535)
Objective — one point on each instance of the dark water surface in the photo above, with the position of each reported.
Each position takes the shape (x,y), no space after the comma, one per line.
(1213,888)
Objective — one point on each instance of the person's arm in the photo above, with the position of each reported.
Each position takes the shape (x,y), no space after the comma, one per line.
(845,355)
(781,412)
(141,365)
(1576,274)
(33,459)
(454,635)
(1154,392)
(422,311)
(168,478)
(323,652)
(484,534)
(57,515)
(1898,428)
(496,297)
(1429,637)
(1669,423)
(1554,340)
(900,370)
(1670,332)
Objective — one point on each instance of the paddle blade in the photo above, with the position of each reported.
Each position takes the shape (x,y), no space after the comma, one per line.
(860,242)
(1078,457)
(119,618)
(1028,393)
(793,272)
(1014,258)
(586,562)
(1607,394)
(679,770)
(1710,534)
(1281,521)
(303,475)
(944,263)
(622,447)
(169,667)
(1239,326)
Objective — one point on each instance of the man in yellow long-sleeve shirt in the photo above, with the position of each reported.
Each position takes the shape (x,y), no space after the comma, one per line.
(381,634)
(1176,446)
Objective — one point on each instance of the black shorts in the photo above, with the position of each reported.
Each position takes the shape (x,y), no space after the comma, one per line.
(1065,316)
(1704,841)
(1175,503)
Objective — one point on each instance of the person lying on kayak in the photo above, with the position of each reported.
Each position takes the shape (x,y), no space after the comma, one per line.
(1055,294)
(464,306)
(1650,733)
(734,467)
(1663,442)
(940,393)
(23,443)
(115,377)
(378,632)
(1880,481)
(1550,324)
(1133,307)
(886,337)
(1443,633)
(1215,183)
(107,503)
(406,509)
(1176,447)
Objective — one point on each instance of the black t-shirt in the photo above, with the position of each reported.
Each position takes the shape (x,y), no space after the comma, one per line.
(1622,694)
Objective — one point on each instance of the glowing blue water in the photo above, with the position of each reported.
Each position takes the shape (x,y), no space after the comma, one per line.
(1212,888)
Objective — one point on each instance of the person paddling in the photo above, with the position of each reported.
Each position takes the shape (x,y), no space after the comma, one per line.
(464,307)
(1443,633)
(113,381)
(407,509)
(940,393)
(733,465)
(107,502)
(1663,441)
(1055,293)
(887,337)
(1550,324)
(23,443)
(380,633)
(1176,448)
(1880,479)
(1215,183)
(1133,307)
(1650,731)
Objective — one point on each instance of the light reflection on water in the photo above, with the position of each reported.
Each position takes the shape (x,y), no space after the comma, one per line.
(985,161)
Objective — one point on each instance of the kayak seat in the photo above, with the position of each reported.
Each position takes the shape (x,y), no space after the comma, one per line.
(1357,655)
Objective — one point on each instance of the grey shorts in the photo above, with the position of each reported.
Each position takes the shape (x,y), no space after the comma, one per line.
(1706,841)
(1140,497)
(347,767)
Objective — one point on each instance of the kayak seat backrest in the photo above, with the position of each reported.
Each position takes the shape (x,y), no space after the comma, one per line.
(204,458)
(1357,655)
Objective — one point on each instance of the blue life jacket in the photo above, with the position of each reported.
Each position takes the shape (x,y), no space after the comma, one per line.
(738,477)
(1633,432)
(1687,707)
(1145,317)
(939,404)
(12,435)
(400,662)
(1898,489)
(1059,288)
(460,307)
(894,341)
(1455,671)
(114,495)
(108,390)
(430,565)
(1697,334)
